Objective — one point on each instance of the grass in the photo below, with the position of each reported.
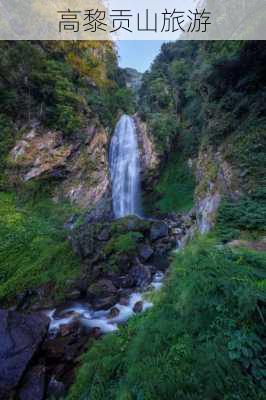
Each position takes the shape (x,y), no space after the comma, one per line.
(34,249)
(175,189)
(203,339)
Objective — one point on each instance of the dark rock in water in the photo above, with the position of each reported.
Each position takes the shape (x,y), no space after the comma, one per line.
(104,303)
(114,312)
(33,386)
(73,327)
(61,356)
(96,333)
(138,307)
(124,300)
(56,388)
(141,275)
(20,338)
(145,252)
(64,349)
(102,294)
(62,313)
(159,230)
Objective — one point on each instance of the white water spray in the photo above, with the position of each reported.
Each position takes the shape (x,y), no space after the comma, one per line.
(124,167)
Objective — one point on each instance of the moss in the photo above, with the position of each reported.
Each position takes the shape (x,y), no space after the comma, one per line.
(34,249)
(131,223)
(125,243)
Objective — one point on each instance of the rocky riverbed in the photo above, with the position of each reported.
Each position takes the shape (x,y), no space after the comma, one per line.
(42,340)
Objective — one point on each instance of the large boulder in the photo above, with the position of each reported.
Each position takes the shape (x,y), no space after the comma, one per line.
(20,338)
(145,252)
(102,295)
(33,387)
(141,275)
(159,230)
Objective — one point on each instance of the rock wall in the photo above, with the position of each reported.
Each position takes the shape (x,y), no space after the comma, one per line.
(78,167)
(149,158)
(215,178)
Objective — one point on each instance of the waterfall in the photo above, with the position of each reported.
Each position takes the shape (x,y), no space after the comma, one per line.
(124,167)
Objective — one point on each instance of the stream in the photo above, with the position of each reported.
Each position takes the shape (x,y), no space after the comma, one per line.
(103,319)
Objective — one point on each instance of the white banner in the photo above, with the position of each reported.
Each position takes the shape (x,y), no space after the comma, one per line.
(132,20)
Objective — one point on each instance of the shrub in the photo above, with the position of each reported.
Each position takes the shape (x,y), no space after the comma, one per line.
(34,249)
(125,243)
(175,189)
(247,214)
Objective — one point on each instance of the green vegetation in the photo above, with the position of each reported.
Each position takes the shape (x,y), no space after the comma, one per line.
(174,190)
(126,243)
(7,140)
(199,94)
(34,249)
(61,86)
(203,339)
(244,216)
(61,83)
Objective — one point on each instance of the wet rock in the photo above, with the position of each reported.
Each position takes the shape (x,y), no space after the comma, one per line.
(124,301)
(104,303)
(159,230)
(62,313)
(73,295)
(70,328)
(56,388)
(96,333)
(33,386)
(114,312)
(141,275)
(207,210)
(61,350)
(164,246)
(145,252)
(104,235)
(126,281)
(138,307)
(102,288)
(20,338)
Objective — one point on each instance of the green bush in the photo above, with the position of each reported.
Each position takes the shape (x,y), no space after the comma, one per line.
(202,340)
(175,189)
(34,249)
(7,140)
(125,243)
(247,214)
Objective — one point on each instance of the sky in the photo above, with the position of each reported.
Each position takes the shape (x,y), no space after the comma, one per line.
(138,54)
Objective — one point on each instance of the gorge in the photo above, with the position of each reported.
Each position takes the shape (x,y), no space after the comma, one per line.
(113,185)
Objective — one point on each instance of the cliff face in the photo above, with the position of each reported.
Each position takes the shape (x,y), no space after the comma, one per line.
(215,178)
(78,169)
(149,157)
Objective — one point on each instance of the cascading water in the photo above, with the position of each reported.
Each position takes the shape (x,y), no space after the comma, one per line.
(125,175)
(124,167)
